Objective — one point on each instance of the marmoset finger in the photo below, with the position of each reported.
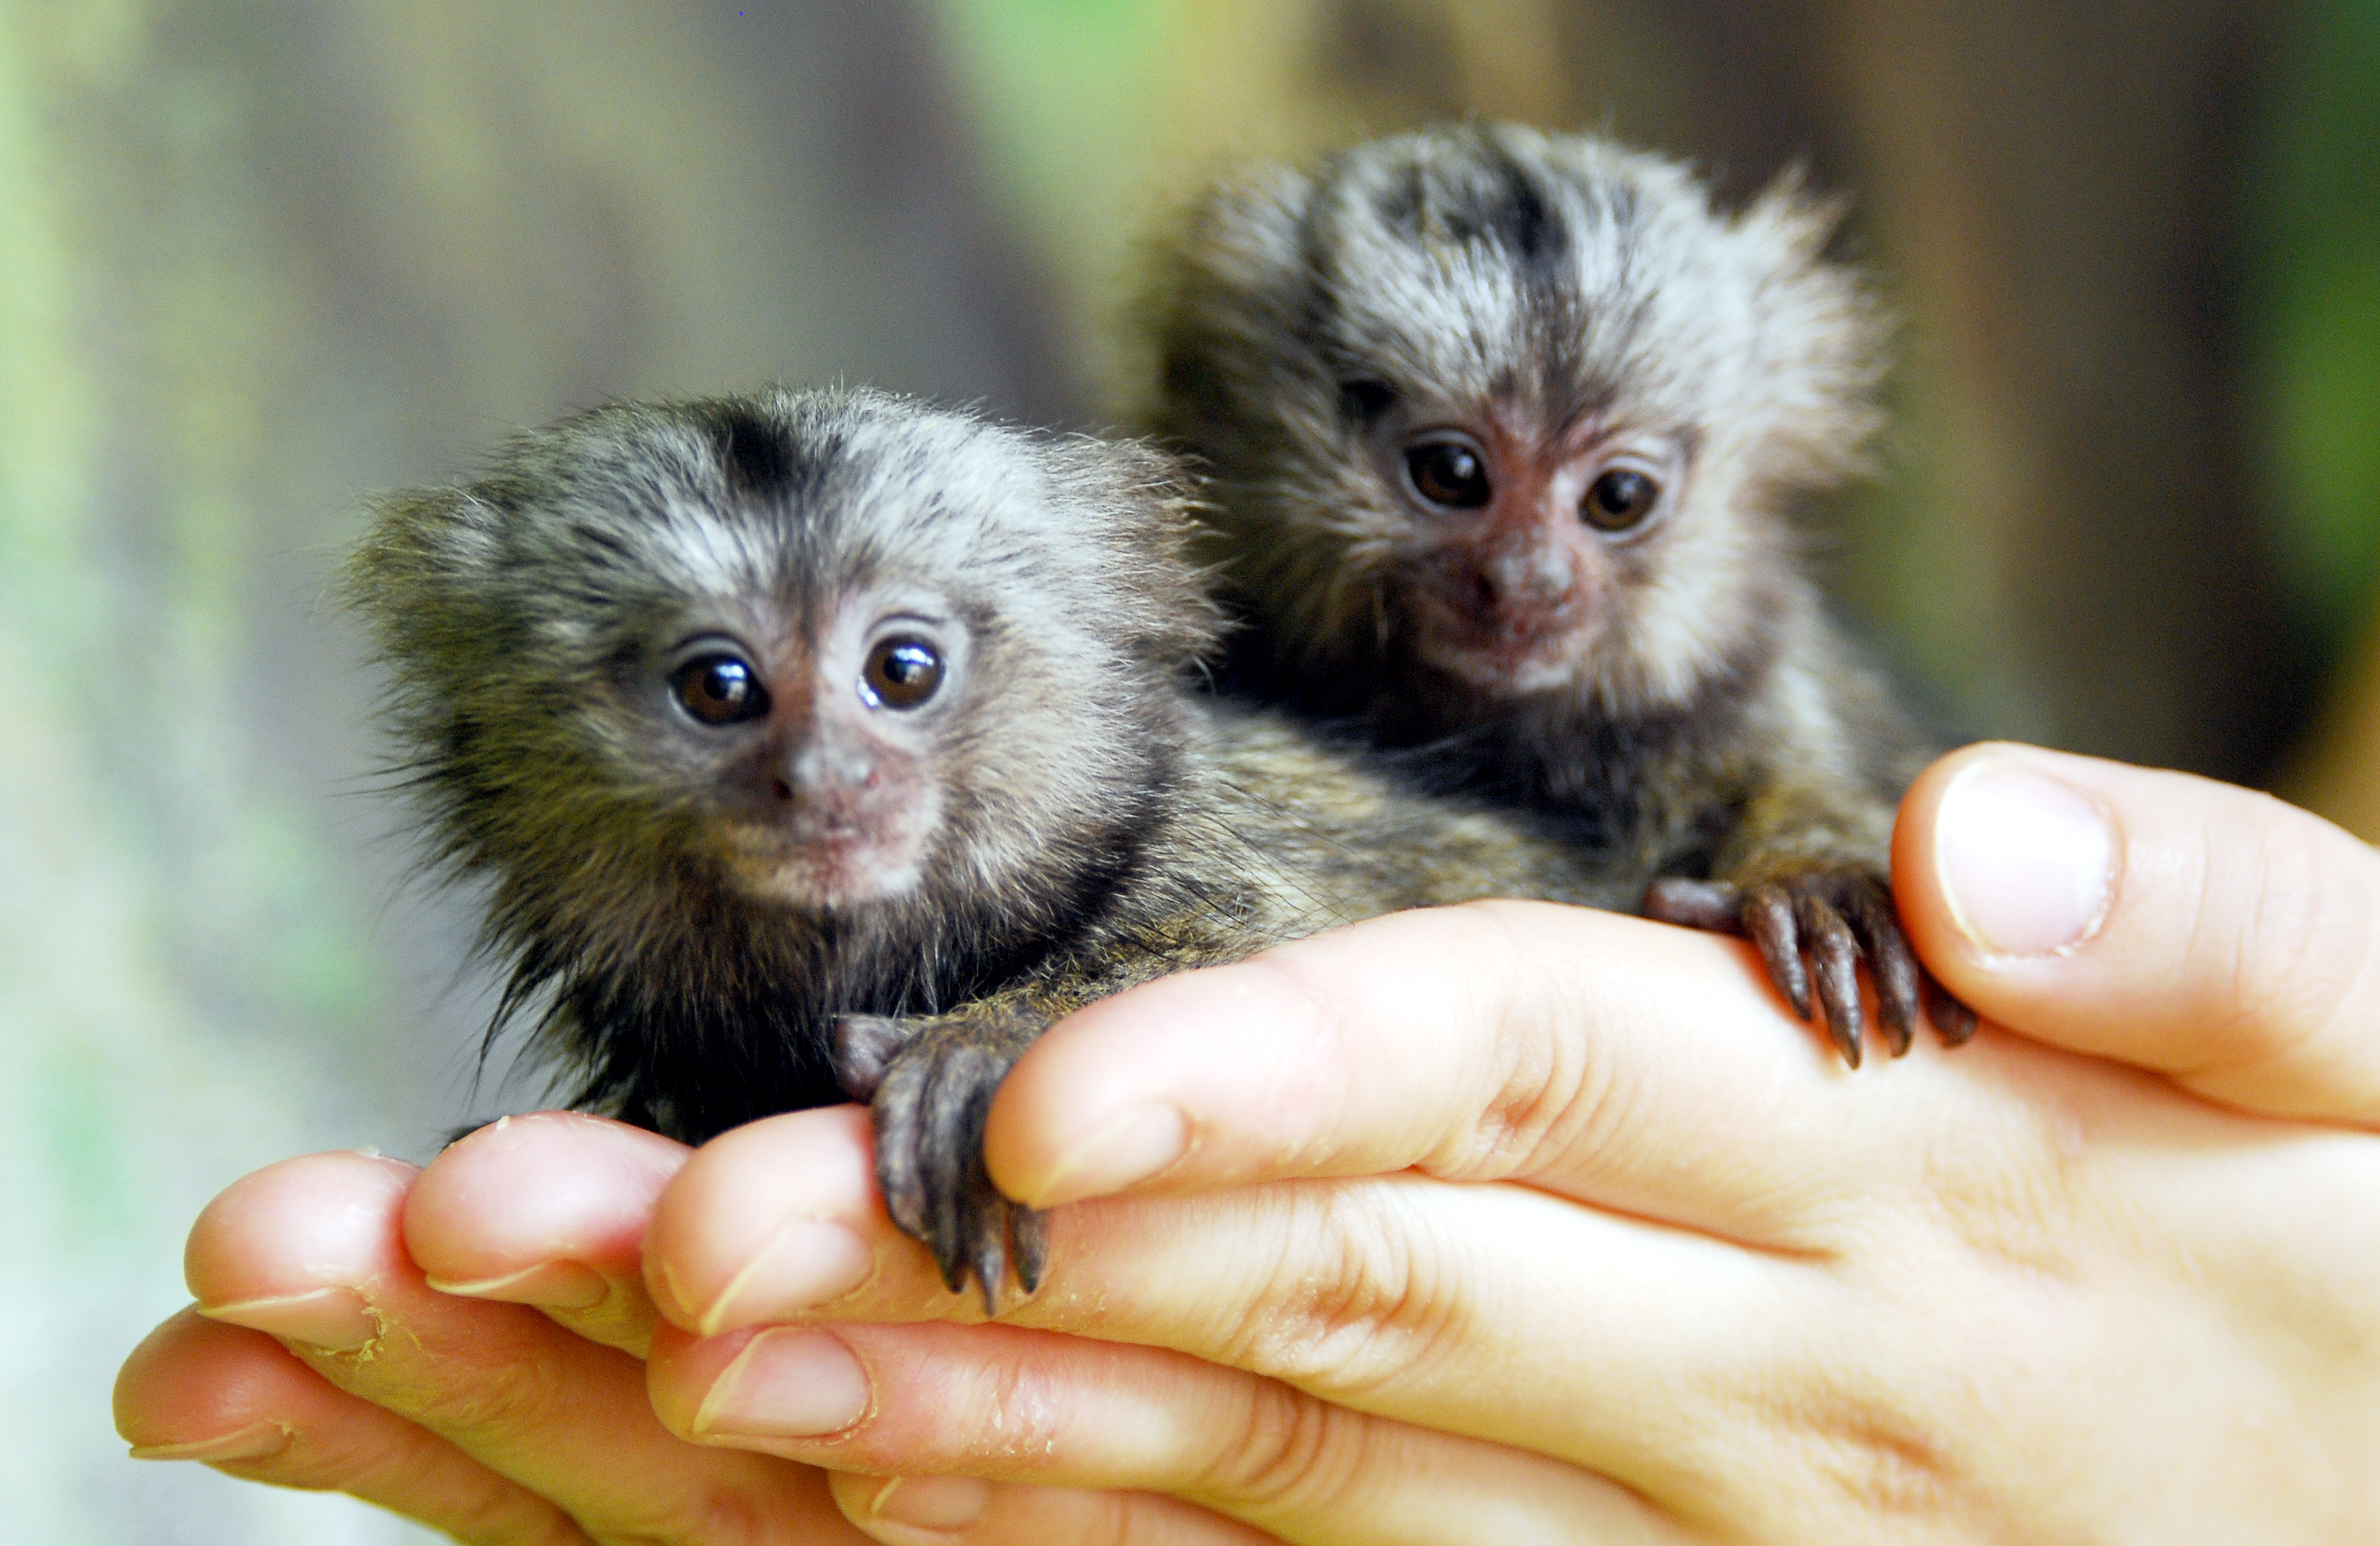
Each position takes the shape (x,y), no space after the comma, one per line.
(1012,1405)
(309,1252)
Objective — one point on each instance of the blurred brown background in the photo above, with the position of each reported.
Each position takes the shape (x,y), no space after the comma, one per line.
(255,259)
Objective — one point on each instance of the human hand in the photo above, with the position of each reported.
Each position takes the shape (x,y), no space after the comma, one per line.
(320,1357)
(1585,1239)
(1199,1449)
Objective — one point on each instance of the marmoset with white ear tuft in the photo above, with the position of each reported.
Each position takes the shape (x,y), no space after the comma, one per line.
(821,744)
(1500,427)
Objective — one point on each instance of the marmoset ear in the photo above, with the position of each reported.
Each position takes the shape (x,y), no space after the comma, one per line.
(1224,283)
(1824,339)
(434,537)
(1142,502)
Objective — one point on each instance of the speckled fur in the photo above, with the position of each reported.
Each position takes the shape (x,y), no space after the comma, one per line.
(1098,822)
(1718,724)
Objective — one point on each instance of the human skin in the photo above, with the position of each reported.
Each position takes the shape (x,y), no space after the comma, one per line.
(1580,1236)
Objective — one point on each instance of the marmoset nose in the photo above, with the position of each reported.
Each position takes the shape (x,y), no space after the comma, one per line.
(825,767)
(1532,574)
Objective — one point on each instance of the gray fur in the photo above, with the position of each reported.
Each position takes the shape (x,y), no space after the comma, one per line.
(1088,821)
(1709,720)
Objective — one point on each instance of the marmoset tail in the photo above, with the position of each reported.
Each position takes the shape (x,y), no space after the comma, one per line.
(815,744)
(1500,427)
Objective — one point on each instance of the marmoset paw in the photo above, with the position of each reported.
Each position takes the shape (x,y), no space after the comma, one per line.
(864,1046)
(932,1081)
(1837,914)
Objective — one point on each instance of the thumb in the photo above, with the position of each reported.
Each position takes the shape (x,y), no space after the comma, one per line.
(2207,932)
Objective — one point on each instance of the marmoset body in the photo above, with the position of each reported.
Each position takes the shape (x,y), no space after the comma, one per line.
(820,743)
(1499,429)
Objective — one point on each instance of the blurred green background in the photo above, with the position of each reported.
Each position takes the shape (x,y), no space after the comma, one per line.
(255,259)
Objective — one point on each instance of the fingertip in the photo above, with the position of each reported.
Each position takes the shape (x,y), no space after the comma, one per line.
(2200,930)
(916,1508)
(1139,1145)
(1917,890)
(236,1399)
(297,1226)
(2003,857)
(193,1385)
(767,1222)
(681,1369)
(1119,1093)
(547,1209)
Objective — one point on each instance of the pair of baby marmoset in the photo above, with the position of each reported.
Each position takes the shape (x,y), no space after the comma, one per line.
(814,745)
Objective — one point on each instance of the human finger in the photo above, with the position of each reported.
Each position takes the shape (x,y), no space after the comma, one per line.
(1465,1042)
(781,1216)
(2210,932)
(2100,1220)
(1007,1404)
(547,1209)
(310,1252)
(968,1511)
(238,1401)
(1476,1309)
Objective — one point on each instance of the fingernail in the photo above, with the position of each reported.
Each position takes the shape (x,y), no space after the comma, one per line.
(808,1263)
(548,1286)
(2025,862)
(336,1319)
(792,1382)
(1139,1145)
(257,1443)
(932,1502)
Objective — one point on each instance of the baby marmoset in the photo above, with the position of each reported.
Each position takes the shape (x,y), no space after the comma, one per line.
(819,742)
(1498,426)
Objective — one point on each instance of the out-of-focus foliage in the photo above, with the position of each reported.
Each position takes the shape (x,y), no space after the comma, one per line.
(1062,92)
(1098,114)
(254,260)
(2315,272)
(153,896)
(2313,267)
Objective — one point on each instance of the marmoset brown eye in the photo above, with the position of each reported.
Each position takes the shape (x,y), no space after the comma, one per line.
(901,673)
(1451,474)
(1619,500)
(719,690)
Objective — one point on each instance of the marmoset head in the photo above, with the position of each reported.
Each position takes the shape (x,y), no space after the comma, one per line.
(1509,408)
(787,667)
